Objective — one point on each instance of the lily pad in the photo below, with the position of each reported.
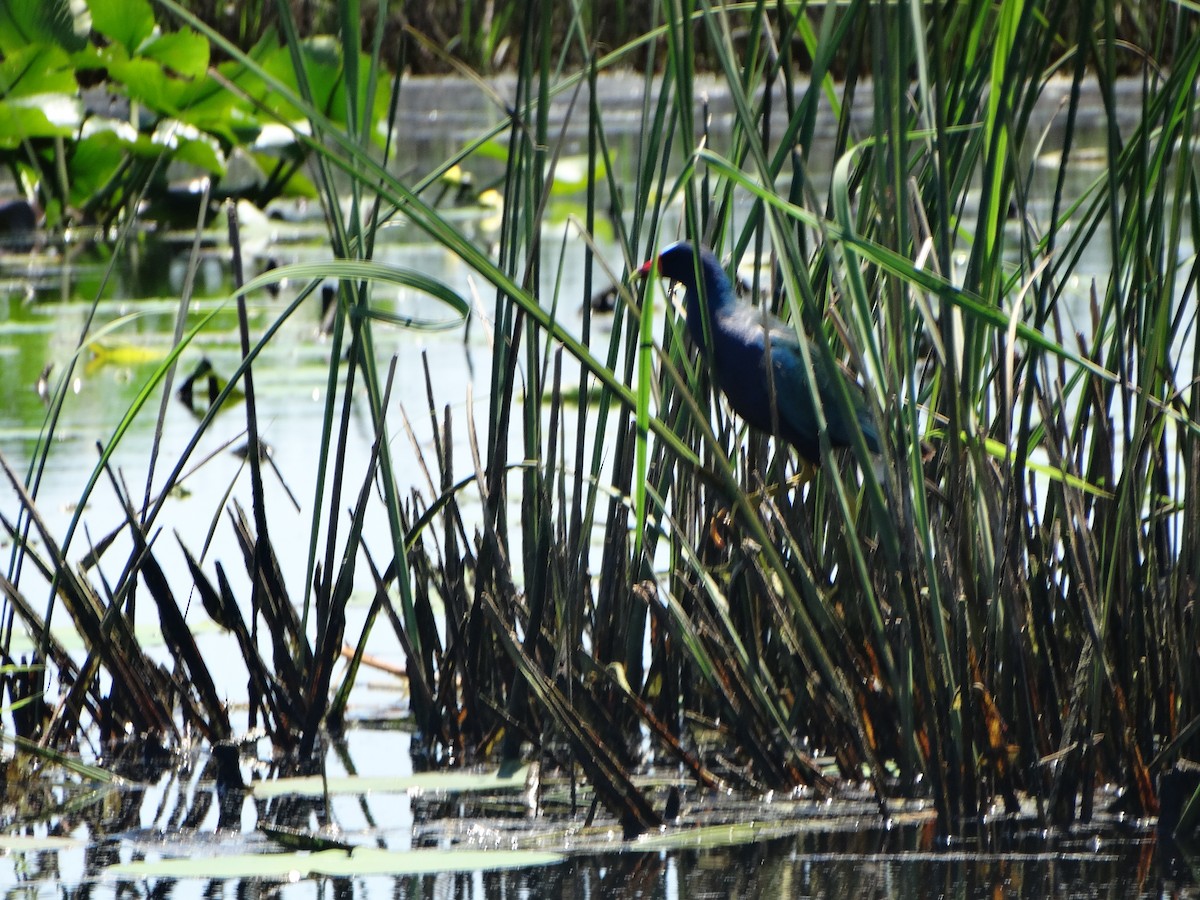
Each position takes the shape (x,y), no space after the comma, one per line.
(362,861)
(23,843)
(448,782)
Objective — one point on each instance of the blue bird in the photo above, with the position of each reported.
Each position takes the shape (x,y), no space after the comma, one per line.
(744,337)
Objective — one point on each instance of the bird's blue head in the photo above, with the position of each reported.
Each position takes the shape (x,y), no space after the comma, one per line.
(678,262)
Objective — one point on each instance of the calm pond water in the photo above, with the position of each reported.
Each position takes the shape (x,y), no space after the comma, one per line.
(806,848)
(45,300)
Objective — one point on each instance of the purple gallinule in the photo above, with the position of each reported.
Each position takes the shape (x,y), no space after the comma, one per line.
(744,338)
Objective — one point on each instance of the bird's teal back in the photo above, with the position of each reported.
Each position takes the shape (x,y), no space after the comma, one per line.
(758,363)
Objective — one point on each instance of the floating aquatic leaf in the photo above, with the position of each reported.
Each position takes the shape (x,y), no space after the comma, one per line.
(315,786)
(27,842)
(362,861)
(734,834)
(124,354)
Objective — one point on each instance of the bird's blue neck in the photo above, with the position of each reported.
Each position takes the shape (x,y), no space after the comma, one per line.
(716,291)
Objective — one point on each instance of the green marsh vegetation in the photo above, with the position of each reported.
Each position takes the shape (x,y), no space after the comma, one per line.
(1008,620)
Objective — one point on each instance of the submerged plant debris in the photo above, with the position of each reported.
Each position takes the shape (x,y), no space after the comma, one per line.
(170,831)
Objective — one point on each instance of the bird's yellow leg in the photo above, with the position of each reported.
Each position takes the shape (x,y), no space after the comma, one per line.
(805,473)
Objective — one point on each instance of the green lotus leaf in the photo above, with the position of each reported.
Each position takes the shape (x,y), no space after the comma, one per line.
(36,70)
(52,115)
(183,52)
(125,22)
(62,23)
